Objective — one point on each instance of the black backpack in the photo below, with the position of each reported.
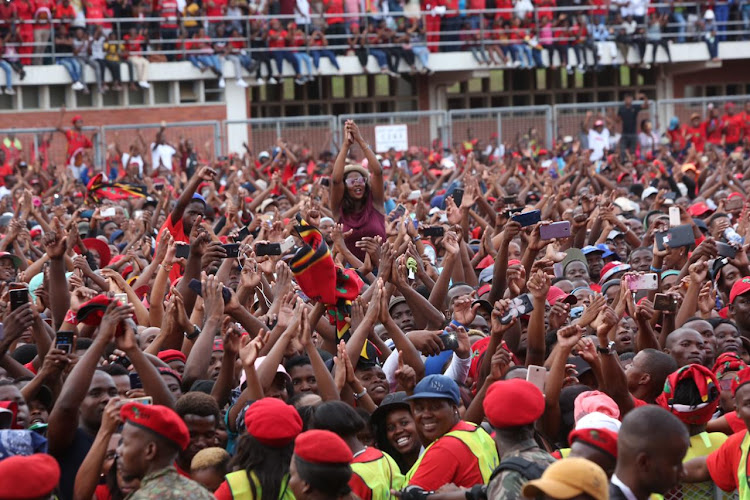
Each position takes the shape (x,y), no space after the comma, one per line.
(529,470)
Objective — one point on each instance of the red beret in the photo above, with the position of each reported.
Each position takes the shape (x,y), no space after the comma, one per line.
(34,476)
(309,447)
(171,355)
(91,312)
(168,371)
(602,439)
(513,403)
(742,378)
(740,287)
(99,247)
(158,419)
(273,422)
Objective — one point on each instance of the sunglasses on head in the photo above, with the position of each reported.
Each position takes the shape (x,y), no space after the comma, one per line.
(355,181)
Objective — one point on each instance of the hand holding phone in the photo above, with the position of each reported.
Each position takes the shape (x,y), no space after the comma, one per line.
(18,297)
(64,341)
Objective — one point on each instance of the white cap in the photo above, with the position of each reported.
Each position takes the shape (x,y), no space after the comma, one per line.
(614,234)
(709,15)
(262,185)
(651,190)
(598,420)
(258,362)
(625,204)
(447,163)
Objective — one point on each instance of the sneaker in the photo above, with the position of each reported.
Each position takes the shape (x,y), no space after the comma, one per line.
(144,85)
(272,81)
(10,91)
(241,83)
(260,81)
(77,86)
(222,83)
(300,81)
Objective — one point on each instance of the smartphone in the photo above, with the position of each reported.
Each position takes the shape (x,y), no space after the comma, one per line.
(734,203)
(449,340)
(262,249)
(647,281)
(123,361)
(244,233)
(287,244)
(145,400)
(397,212)
(159,186)
(325,181)
(458,196)
(135,381)
(122,298)
(680,236)
(182,251)
(58,200)
(518,307)
(537,375)
(64,341)
(528,218)
(434,231)
(674,216)
(414,195)
(18,298)
(109,212)
(510,200)
(232,250)
(555,230)
(726,250)
(665,302)
(195,285)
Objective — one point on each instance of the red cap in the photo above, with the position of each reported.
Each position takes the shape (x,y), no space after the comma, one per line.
(742,378)
(101,248)
(514,262)
(698,209)
(171,355)
(486,262)
(556,294)
(34,476)
(484,289)
(734,195)
(273,422)
(729,105)
(75,119)
(159,420)
(308,447)
(91,312)
(603,439)
(708,389)
(524,397)
(598,123)
(740,287)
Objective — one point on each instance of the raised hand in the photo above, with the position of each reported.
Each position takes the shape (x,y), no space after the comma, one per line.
(568,336)
(55,240)
(249,351)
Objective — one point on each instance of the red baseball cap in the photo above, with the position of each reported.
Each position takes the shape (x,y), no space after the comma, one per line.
(740,287)
(33,476)
(602,439)
(556,294)
(159,420)
(171,355)
(524,397)
(309,447)
(273,422)
(698,209)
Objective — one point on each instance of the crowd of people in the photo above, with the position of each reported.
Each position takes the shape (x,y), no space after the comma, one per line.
(448,323)
(103,34)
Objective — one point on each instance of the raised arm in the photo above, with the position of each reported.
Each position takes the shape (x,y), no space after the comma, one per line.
(373,165)
(204,174)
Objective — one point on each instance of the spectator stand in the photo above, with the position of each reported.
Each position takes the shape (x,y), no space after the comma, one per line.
(316,133)
(514,122)
(35,143)
(683,108)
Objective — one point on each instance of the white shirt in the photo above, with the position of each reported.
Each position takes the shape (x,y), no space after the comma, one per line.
(302,12)
(162,154)
(598,142)
(625,490)
(137,160)
(638,7)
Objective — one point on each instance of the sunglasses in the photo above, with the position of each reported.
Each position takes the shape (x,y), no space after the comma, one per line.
(355,181)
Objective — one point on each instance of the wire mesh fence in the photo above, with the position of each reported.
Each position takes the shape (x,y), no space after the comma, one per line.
(313,133)
(423,127)
(511,124)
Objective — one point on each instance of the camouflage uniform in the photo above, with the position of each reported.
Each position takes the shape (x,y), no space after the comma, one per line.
(507,485)
(168,484)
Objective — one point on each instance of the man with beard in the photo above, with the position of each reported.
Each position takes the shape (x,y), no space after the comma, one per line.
(201,415)
(686,346)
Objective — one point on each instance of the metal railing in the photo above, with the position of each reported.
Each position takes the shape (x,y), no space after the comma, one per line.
(434,34)
(36,145)
(685,107)
(422,126)
(533,122)
(314,133)
(569,118)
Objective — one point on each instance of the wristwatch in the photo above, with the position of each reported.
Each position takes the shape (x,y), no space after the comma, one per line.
(610,349)
(194,334)
(359,396)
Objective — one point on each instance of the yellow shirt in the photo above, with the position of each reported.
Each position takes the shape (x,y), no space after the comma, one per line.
(191,11)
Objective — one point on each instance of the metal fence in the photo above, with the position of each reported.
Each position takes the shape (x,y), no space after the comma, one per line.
(422,126)
(507,124)
(316,133)
(569,118)
(683,108)
(206,135)
(699,491)
(36,142)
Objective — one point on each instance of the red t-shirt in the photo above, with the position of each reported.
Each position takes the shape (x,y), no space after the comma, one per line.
(134,45)
(216,10)
(168,9)
(735,422)
(77,142)
(698,136)
(25,11)
(733,127)
(102,492)
(449,460)
(62,12)
(178,234)
(277,38)
(504,4)
(5,170)
(714,136)
(334,7)
(8,11)
(746,123)
(43,13)
(677,136)
(724,463)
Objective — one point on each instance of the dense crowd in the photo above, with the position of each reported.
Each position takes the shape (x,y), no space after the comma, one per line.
(467,322)
(104,35)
